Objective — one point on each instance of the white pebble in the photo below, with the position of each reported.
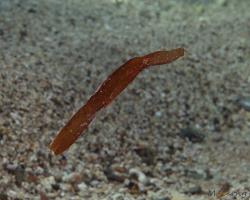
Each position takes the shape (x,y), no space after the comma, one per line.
(48,182)
(82,186)
(140,175)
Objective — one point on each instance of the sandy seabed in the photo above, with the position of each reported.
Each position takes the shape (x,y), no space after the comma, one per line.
(178,132)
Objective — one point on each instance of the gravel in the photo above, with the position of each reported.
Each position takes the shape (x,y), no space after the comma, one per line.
(177,132)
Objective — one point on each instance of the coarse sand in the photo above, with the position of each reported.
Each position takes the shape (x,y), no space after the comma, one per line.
(178,132)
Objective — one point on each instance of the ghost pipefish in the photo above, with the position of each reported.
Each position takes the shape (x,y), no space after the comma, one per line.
(105,94)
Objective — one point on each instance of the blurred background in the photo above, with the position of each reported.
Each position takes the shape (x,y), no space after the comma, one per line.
(179,131)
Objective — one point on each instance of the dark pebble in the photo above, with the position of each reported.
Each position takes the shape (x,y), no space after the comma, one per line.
(19,175)
(192,134)
(3,196)
(196,174)
(163,198)
(244,102)
(31,10)
(18,171)
(194,190)
(1,32)
(111,176)
(56,186)
(217,138)
(147,154)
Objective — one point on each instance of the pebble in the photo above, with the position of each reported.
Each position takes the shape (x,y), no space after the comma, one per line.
(140,176)
(192,134)
(146,153)
(159,195)
(95,183)
(118,196)
(82,186)
(12,193)
(72,178)
(244,102)
(3,196)
(178,196)
(112,176)
(10,168)
(19,175)
(56,186)
(196,174)
(66,187)
(47,182)
(17,170)
(196,189)
(39,170)
(158,114)
(217,138)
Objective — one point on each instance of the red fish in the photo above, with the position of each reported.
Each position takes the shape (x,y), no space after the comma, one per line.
(105,94)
